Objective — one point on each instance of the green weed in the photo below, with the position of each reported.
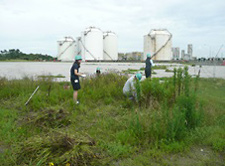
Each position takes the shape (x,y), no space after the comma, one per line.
(157,67)
(171,115)
(117,150)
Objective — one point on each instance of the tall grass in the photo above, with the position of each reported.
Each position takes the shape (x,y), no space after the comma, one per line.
(170,114)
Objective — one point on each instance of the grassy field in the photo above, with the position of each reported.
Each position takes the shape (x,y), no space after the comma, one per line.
(174,121)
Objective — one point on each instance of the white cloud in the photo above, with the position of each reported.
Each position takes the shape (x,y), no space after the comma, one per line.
(36,25)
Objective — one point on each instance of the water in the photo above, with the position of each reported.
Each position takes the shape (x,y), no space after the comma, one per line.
(18,70)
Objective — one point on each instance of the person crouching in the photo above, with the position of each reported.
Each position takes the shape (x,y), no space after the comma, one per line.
(129,89)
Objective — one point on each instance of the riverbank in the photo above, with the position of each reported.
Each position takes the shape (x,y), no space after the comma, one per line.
(19,70)
(167,127)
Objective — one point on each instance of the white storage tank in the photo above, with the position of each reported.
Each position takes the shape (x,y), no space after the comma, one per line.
(110,46)
(67,49)
(78,46)
(82,45)
(158,42)
(147,48)
(92,44)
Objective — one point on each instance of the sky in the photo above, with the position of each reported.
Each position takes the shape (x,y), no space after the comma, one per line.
(35,26)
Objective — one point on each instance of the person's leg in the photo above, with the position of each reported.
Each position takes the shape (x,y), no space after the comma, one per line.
(147,72)
(150,73)
(75,94)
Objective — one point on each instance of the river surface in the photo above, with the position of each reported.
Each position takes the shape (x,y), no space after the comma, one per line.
(19,70)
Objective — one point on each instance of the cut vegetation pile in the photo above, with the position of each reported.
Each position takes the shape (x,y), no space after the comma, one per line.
(57,147)
(49,118)
(170,115)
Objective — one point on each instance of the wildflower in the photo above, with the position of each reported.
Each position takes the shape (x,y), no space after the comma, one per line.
(51,164)
(67,164)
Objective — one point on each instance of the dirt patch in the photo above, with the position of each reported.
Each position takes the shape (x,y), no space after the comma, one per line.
(3,147)
(198,155)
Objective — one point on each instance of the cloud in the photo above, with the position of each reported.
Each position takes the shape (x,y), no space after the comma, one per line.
(36,25)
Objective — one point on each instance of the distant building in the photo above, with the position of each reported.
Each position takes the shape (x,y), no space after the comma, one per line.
(130,56)
(134,56)
(121,56)
(186,57)
(182,54)
(190,50)
(176,53)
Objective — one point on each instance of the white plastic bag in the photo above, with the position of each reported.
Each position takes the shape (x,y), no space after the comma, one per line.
(83,75)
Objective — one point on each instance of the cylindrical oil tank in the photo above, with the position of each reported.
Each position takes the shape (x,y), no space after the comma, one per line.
(147,44)
(81,46)
(92,42)
(158,42)
(78,45)
(110,46)
(67,49)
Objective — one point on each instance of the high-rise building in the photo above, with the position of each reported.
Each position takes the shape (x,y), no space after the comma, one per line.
(176,53)
(182,54)
(190,50)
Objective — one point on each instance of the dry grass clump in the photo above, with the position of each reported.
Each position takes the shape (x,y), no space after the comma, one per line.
(50,118)
(58,148)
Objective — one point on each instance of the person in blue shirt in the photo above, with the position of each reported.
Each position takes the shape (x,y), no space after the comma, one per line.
(74,77)
(148,66)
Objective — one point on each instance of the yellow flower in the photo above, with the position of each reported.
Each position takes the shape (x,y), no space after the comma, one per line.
(51,164)
(67,164)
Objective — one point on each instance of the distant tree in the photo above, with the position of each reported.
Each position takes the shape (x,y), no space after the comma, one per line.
(17,54)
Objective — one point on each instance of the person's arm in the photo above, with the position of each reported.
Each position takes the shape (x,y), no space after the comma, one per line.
(76,73)
(151,61)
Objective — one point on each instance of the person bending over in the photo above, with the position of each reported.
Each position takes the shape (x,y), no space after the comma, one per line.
(129,89)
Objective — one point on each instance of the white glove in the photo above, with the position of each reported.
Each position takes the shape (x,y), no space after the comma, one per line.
(83,75)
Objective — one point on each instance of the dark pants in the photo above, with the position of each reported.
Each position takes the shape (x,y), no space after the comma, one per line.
(148,72)
(75,84)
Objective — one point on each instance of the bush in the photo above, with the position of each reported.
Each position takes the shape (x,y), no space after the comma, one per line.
(177,111)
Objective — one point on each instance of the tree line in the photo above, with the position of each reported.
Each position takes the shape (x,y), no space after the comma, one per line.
(16,54)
